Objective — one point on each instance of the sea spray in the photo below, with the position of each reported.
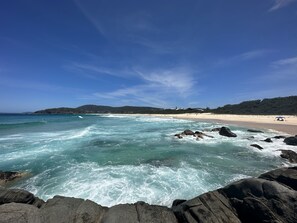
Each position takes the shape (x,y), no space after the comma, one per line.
(114,159)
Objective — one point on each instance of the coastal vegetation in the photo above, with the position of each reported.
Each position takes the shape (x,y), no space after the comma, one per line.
(272,106)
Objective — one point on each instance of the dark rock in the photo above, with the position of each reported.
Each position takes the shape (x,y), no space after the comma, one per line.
(260,200)
(257,146)
(270,198)
(8,176)
(215,129)
(18,196)
(268,140)
(255,131)
(201,134)
(250,137)
(224,131)
(285,176)
(208,207)
(188,132)
(291,141)
(279,137)
(289,155)
(178,136)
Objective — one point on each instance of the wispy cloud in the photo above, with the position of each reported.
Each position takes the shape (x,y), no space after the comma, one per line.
(92,71)
(161,88)
(246,56)
(284,69)
(278,4)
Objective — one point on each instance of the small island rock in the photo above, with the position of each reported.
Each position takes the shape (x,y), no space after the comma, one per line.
(224,131)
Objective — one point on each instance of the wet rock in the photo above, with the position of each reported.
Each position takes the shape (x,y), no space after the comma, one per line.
(8,176)
(178,136)
(268,140)
(250,137)
(291,141)
(188,132)
(257,146)
(270,198)
(224,131)
(215,130)
(289,155)
(255,131)
(279,137)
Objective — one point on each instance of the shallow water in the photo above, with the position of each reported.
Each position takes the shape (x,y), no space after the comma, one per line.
(114,159)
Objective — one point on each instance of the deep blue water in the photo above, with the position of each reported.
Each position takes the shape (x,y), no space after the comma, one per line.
(114,159)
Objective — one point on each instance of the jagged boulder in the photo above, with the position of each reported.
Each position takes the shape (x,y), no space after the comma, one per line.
(224,131)
(291,141)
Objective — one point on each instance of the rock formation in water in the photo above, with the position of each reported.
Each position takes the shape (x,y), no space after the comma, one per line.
(8,176)
(224,131)
(272,197)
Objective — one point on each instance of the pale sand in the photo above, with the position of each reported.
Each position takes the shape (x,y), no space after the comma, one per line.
(288,126)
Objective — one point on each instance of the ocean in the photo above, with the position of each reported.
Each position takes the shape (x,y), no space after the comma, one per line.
(113,159)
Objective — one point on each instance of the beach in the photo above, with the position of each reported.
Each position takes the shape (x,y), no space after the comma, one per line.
(289,125)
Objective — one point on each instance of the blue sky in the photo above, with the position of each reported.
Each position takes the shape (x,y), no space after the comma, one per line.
(162,53)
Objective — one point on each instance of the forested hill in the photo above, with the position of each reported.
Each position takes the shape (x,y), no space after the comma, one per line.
(273,106)
(86,109)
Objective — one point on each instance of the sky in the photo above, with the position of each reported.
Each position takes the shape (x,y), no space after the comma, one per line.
(159,53)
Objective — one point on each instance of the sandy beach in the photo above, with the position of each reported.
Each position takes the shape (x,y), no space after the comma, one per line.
(289,125)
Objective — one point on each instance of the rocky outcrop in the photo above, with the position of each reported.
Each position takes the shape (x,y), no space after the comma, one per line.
(8,176)
(224,131)
(289,155)
(188,132)
(291,140)
(270,198)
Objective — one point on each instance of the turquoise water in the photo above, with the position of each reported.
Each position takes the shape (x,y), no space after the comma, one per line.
(114,159)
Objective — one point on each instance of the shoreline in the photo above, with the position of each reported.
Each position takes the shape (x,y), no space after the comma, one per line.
(268,122)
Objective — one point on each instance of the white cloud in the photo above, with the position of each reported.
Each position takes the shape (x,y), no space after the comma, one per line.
(160,88)
(178,79)
(280,4)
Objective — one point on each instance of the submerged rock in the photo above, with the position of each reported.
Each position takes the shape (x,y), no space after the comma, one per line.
(255,131)
(279,137)
(224,131)
(289,155)
(291,141)
(268,140)
(257,146)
